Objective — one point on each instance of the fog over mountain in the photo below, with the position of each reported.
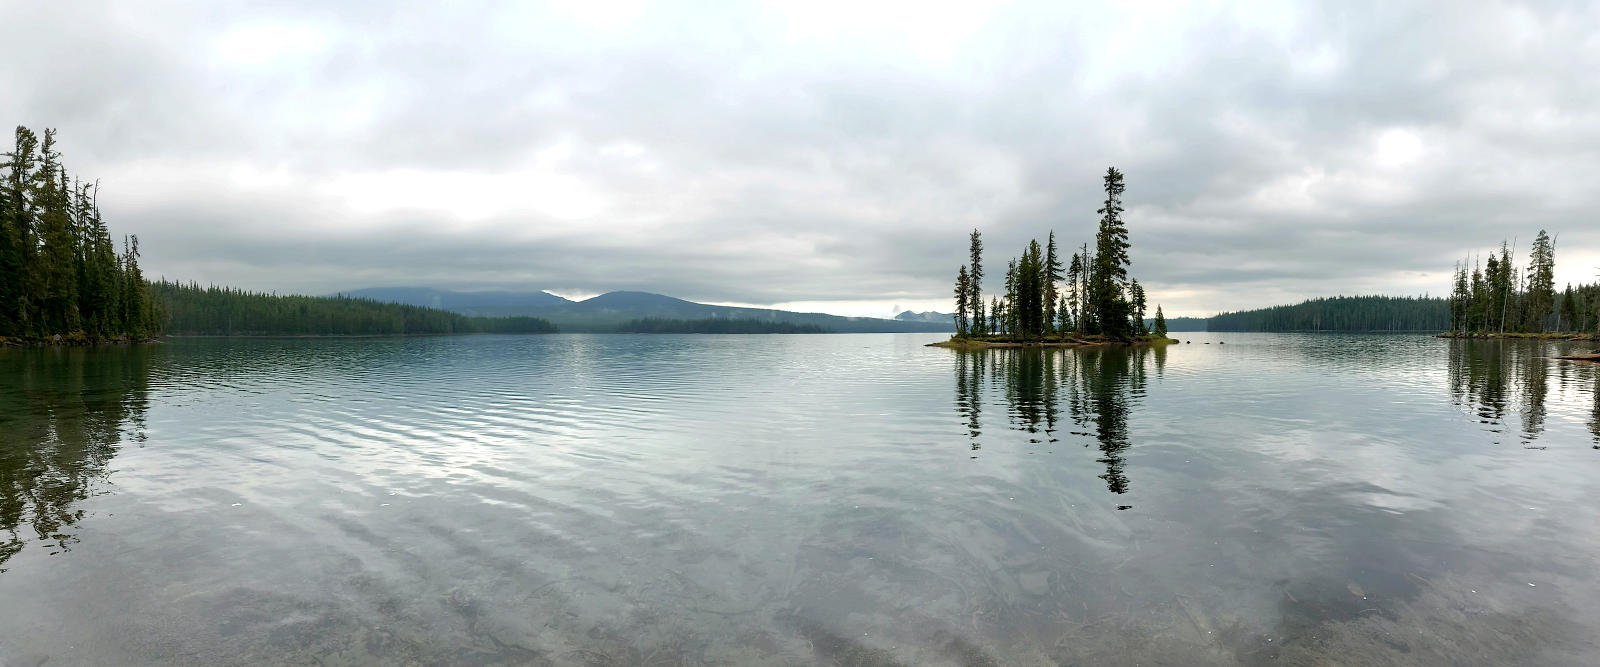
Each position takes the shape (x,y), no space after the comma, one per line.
(819,156)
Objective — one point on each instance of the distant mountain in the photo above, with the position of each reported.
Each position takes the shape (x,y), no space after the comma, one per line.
(466,303)
(613,310)
(929,316)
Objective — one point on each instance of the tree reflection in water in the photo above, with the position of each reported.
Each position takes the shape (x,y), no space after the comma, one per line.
(63,415)
(1493,379)
(1097,387)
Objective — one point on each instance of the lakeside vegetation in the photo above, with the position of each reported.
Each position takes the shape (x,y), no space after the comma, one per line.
(716,325)
(61,275)
(1341,313)
(1088,299)
(1499,298)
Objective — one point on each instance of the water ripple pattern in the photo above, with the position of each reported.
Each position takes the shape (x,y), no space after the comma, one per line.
(839,499)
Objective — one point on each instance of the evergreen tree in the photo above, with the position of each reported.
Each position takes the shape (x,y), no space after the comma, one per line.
(1160,327)
(1010,304)
(1074,294)
(18,288)
(975,274)
(1138,304)
(1085,318)
(963,292)
(1107,292)
(1502,286)
(1052,276)
(1567,320)
(1540,296)
(1459,296)
(56,263)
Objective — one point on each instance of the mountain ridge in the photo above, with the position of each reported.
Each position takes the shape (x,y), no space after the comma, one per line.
(610,311)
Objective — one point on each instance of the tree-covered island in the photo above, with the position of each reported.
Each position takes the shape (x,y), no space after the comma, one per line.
(1090,299)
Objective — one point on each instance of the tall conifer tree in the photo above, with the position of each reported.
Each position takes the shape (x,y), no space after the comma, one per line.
(975,274)
(1107,290)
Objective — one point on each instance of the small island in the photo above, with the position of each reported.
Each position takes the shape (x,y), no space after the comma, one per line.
(1099,305)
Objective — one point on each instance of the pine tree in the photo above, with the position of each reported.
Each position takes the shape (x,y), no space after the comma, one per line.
(1502,286)
(963,292)
(1459,297)
(1540,296)
(1107,299)
(1010,303)
(1160,328)
(16,309)
(1052,275)
(975,274)
(1568,316)
(1138,304)
(1074,294)
(56,263)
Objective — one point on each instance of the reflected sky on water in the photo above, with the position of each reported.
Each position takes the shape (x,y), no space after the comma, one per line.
(595,499)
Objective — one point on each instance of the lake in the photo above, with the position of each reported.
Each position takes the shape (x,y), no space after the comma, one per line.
(833,499)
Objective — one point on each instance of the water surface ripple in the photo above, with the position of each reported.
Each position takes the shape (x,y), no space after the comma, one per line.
(841,499)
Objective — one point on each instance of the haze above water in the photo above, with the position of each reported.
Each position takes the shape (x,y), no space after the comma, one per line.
(853,499)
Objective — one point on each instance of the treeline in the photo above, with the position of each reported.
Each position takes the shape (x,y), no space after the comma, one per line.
(1091,294)
(716,325)
(60,272)
(223,311)
(1342,313)
(1500,297)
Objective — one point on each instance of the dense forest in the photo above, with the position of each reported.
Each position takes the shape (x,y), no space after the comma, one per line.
(1500,297)
(223,311)
(716,325)
(1342,313)
(1090,294)
(60,272)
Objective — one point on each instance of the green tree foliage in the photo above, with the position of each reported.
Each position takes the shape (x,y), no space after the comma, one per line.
(978,323)
(963,294)
(1099,297)
(1052,275)
(1074,294)
(1160,327)
(60,274)
(718,325)
(1137,302)
(1502,298)
(1342,313)
(1538,301)
(1108,285)
(224,311)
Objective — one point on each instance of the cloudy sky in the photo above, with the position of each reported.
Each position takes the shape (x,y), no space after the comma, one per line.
(814,154)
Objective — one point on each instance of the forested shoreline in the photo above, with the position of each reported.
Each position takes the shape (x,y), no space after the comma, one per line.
(1342,314)
(1498,297)
(1048,300)
(62,278)
(223,311)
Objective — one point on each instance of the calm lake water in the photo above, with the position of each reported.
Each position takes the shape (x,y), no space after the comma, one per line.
(851,499)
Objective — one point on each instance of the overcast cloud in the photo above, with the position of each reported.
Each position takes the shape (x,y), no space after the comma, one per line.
(819,155)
